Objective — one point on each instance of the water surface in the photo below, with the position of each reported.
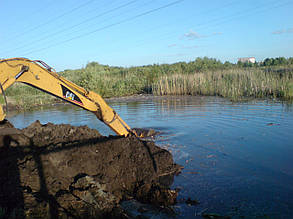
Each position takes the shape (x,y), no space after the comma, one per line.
(237,157)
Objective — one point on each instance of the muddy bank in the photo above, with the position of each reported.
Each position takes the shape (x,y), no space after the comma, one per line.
(15,106)
(74,172)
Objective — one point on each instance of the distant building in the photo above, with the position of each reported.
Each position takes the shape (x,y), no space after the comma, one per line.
(248,59)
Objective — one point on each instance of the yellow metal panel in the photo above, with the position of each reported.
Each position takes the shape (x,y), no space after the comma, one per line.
(2,114)
(30,72)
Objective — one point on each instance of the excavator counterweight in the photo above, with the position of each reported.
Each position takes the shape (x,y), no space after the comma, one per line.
(41,76)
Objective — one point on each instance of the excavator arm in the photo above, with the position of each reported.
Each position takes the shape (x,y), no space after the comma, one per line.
(39,75)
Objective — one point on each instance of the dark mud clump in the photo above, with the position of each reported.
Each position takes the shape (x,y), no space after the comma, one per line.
(51,171)
(146,133)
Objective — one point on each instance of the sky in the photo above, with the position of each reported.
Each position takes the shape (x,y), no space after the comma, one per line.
(68,34)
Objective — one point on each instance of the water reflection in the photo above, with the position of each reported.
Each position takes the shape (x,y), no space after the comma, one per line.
(237,156)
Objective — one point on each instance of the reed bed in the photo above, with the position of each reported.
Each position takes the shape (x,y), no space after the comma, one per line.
(233,83)
(114,84)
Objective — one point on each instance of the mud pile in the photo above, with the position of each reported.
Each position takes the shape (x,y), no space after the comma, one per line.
(74,172)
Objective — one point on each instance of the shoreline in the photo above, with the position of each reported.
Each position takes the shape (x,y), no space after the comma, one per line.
(12,106)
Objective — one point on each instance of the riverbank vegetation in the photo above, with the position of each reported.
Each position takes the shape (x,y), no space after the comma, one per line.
(272,78)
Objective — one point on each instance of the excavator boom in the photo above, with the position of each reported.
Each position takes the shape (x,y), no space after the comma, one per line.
(39,75)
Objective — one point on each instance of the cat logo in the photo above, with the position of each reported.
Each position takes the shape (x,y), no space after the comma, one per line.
(69,95)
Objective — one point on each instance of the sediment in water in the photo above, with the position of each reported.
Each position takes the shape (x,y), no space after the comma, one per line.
(74,172)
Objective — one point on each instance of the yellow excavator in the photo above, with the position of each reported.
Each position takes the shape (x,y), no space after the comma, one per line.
(41,76)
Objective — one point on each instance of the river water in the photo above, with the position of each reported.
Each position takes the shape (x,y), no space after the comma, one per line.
(237,157)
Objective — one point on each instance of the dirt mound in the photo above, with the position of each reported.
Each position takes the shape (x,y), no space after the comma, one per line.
(74,172)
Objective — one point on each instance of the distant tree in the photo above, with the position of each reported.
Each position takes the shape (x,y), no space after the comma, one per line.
(268,62)
(92,64)
(281,61)
(228,64)
(247,64)
(240,64)
(95,67)
(275,61)
(84,79)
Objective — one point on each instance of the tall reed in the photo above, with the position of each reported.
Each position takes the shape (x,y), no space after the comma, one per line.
(233,83)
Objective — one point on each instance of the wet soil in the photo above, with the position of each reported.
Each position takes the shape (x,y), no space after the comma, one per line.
(61,171)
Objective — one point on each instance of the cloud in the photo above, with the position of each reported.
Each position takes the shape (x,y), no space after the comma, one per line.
(191,35)
(189,47)
(172,45)
(277,32)
(183,46)
(217,33)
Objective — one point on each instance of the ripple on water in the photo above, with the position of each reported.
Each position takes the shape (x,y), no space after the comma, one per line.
(235,163)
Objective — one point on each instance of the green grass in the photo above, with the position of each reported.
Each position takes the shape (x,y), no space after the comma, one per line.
(24,96)
(200,77)
(234,84)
